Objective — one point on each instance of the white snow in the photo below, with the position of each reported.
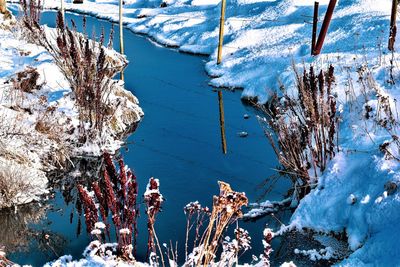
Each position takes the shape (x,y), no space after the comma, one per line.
(261,40)
(314,255)
(99,225)
(261,37)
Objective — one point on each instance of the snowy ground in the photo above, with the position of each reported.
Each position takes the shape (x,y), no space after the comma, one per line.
(38,128)
(262,38)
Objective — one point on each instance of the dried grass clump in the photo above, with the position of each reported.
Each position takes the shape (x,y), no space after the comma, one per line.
(26,80)
(87,68)
(226,210)
(16,183)
(303,129)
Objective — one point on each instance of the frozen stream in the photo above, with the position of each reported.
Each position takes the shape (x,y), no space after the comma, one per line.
(178,142)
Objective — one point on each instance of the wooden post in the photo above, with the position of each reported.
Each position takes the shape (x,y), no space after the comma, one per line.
(221,31)
(121,29)
(324,27)
(314,29)
(222,121)
(393,27)
(121,35)
(62,9)
(3,6)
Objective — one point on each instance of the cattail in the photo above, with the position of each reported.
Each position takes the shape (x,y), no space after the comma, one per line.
(91,213)
(102,37)
(111,200)
(321,83)
(268,236)
(73,25)
(101,199)
(111,38)
(123,179)
(153,200)
(314,90)
(60,22)
(330,79)
(84,26)
(111,170)
(332,128)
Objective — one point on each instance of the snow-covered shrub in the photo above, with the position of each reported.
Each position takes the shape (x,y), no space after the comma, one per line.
(232,248)
(18,183)
(87,67)
(303,129)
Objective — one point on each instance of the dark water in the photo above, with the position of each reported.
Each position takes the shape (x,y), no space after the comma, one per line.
(178,142)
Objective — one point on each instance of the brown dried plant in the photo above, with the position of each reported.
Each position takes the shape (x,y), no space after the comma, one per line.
(303,129)
(31,11)
(116,194)
(226,210)
(4,262)
(194,211)
(84,63)
(153,200)
(26,80)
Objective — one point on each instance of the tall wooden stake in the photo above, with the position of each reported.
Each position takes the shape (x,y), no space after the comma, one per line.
(324,27)
(121,34)
(222,121)
(121,29)
(393,27)
(62,9)
(314,29)
(221,31)
(3,6)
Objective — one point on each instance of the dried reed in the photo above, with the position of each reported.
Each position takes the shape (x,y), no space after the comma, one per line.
(303,129)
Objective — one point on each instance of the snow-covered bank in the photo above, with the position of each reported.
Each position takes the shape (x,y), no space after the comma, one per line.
(351,195)
(261,37)
(39,120)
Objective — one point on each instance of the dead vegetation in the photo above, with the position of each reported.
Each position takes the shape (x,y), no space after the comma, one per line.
(225,211)
(114,201)
(26,80)
(84,63)
(12,185)
(303,129)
